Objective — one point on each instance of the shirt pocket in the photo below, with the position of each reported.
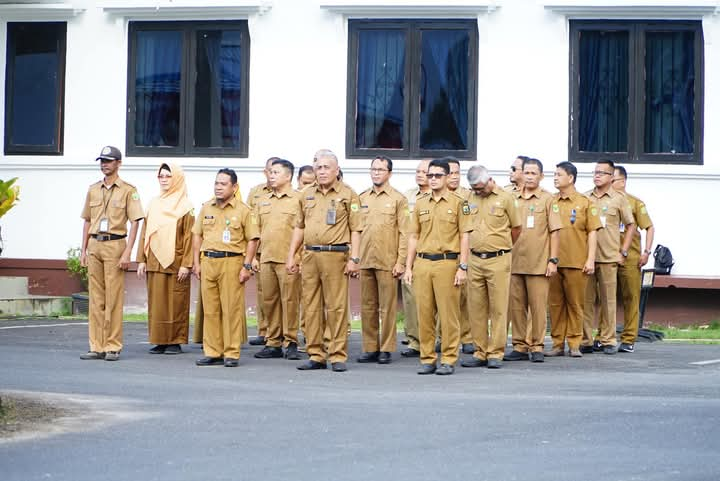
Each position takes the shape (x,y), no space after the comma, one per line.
(95,208)
(388,216)
(497,217)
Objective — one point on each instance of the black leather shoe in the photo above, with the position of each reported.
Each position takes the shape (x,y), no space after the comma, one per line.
(257,341)
(92,356)
(494,363)
(468,348)
(159,349)
(312,365)
(625,347)
(427,369)
(269,353)
(445,370)
(173,349)
(339,367)
(368,357)
(410,352)
(516,356)
(209,361)
(384,358)
(473,362)
(405,342)
(597,347)
(586,349)
(231,362)
(537,357)
(291,353)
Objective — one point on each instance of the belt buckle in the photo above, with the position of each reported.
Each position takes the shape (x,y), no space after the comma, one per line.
(483,255)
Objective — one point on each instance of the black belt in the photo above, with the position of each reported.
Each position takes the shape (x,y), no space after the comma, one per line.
(216,254)
(328,248)
(438,257)
(106,237)
(490,255)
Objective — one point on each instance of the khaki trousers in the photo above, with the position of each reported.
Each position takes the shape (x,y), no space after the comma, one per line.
(630,281)
(567,291)
(280,304)
(224,327)
(106,285)
(378,291)
(602,284)
(411,320)
(434,292)
(465,332)
(528,292)
(325,304)
(489,297)
(262,322)
(168,308)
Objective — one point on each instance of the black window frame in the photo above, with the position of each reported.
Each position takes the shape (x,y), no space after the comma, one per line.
(636,91)
(187,90)
(24,149)
(411,109)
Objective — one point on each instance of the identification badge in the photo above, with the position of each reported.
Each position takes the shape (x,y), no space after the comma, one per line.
(622,227)
(603,221)
(104,225)
(530,222)
(331,217)
(226,232)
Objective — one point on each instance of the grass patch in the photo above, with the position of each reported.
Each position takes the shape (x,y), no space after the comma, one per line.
(706,333)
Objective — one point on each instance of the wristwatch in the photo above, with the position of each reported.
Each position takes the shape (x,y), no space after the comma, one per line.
(647,251)
(624,253)
(463,267)
(355,260)
(248,267)
(554,260)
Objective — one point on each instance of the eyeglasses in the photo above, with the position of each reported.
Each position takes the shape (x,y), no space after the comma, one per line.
(161,176)
(379,171)
(436,176)
(600,172)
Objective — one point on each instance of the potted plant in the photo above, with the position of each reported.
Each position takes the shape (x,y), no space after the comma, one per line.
(9,195)
(80,299)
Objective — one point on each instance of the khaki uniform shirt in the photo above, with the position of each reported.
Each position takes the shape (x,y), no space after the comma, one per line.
(492,219)
(385,216)
(236,217)
(642,221)
(252,199)
(276,213)
(313,215)
(532,249)
(511,188)
(439,223)
(118,204)
(578,218)
(463,192)
(612,209)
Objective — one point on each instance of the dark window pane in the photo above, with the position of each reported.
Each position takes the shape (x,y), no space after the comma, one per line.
(380,89)
(444,90)
(217,88)
(158,63)
(35,80)
(669,92)
(603,92)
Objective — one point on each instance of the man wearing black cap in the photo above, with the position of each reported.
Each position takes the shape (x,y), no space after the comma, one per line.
(105,251)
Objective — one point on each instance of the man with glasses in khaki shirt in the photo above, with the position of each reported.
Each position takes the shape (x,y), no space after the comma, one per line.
(382,262)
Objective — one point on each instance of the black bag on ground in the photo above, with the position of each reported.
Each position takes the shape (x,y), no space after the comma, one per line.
(663,260)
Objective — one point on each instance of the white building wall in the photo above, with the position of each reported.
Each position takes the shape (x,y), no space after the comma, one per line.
(298,105)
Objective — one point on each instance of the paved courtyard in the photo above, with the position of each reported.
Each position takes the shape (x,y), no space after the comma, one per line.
(651,415)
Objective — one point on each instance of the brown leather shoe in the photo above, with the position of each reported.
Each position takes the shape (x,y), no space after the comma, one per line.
(575,353)
(555,352)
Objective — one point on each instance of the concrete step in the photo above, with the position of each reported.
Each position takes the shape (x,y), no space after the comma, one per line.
(13,286)
(27,305)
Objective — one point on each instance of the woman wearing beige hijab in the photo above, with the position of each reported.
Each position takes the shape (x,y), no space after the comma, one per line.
(165,254)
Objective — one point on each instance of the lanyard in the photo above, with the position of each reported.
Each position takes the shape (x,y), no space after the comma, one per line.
(112,191)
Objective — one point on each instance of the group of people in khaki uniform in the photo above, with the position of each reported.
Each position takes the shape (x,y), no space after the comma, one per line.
(471,263)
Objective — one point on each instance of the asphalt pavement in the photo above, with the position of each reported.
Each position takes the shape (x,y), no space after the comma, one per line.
(650,415)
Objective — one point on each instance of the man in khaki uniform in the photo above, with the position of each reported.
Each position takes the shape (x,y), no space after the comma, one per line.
(578,242)
(534,262)
(613,210)
(276,213)
(329,224)
(409,307)
(305,177)
(383,257)
(495,228)
(517,178)
(253,198)
(629,274)
(466,338)
(438,245)
(109,205)
(224,236)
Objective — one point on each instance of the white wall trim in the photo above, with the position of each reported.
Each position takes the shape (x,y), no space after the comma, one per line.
(409,8)
(184,9)
(35,11)
(619,9)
